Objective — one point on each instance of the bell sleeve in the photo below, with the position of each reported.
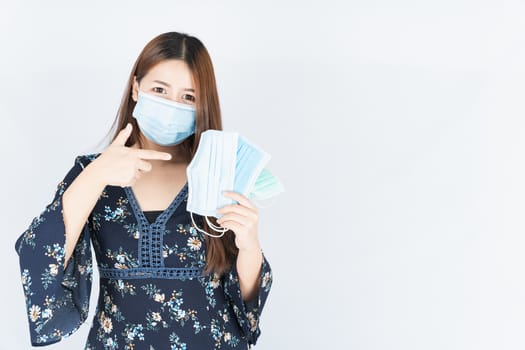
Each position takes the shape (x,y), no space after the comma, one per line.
(248,312)
(57,300)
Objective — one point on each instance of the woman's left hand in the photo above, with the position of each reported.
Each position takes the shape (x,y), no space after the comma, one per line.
(242,219)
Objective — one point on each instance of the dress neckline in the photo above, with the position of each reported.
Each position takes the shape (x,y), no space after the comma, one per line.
(164,215)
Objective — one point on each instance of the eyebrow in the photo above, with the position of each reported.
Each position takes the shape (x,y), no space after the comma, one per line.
(168,85)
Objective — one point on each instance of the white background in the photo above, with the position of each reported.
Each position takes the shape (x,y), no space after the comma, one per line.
(396,126)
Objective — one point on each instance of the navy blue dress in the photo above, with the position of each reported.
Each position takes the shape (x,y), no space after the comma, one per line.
(153,291)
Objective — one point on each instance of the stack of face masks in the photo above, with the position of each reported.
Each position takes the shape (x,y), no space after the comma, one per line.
(225,161)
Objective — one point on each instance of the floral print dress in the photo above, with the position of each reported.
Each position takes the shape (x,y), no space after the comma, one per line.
(153,291)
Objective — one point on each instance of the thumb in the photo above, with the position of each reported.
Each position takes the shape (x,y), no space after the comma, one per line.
(123,135)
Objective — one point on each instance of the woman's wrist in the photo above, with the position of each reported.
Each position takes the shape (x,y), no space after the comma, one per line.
(256,247)
(95,174)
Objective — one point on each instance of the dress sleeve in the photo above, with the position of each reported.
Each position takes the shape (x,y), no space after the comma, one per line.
(248,312)
(57,300)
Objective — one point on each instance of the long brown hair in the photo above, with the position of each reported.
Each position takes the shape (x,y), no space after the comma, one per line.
(221,252)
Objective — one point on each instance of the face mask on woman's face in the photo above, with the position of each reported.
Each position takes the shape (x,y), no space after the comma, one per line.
(165,122)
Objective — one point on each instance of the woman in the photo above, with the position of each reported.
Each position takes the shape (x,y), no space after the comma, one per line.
(163,283)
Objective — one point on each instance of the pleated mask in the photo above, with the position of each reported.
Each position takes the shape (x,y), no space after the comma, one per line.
(163,121)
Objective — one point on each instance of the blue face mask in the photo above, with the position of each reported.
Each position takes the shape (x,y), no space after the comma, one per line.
(224,161)
(165,122)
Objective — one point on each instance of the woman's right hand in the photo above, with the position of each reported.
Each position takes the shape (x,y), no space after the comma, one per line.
(121,166)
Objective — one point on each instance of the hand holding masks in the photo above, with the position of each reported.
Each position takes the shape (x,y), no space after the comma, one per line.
(225,161)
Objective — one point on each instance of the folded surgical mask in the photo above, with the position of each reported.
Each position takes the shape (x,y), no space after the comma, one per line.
(165,122)
(211,171)
(224,161)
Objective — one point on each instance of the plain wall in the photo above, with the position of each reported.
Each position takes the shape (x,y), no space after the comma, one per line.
(396,128)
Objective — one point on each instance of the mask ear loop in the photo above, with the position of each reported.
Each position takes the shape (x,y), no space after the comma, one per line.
(213,227)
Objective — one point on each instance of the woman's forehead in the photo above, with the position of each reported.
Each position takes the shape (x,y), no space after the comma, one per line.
(174,73)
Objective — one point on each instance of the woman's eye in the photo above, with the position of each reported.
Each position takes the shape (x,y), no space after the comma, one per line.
(159,90)
(188,97)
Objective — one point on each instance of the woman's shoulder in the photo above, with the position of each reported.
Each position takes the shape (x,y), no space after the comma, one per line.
(84,159)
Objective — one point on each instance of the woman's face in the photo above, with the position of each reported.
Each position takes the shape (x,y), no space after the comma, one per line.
(170,79)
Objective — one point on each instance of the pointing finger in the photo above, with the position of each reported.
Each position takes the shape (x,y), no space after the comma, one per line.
(151,154)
